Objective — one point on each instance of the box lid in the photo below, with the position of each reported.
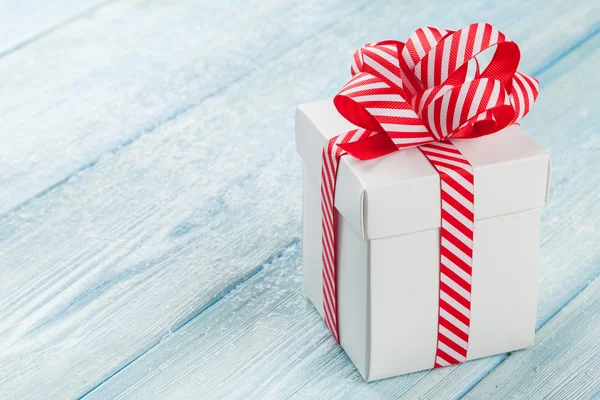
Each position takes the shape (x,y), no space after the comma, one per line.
(400,192)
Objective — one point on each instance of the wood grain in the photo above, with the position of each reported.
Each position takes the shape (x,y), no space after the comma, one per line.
(565,362)
(111,260)
(22,23)
(102,82)
(264,340)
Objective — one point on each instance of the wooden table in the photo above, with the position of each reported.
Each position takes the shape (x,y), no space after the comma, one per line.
(150,198)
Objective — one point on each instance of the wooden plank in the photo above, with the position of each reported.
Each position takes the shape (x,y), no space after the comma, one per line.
(22,23)
(265,340)
(101,268)
(564,364)
(102,82)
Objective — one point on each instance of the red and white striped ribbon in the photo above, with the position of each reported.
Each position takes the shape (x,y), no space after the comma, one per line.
(456,250)
(330,160)
(421,94)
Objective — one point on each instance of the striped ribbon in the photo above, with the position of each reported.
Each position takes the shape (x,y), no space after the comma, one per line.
(422,93)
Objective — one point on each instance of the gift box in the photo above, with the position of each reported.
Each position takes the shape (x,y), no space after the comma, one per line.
(407,294)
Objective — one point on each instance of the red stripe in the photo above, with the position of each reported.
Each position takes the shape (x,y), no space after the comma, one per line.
(468,214)
(455,277)
(394,69)
(516,103)
(410,79)
(487,35)
(452,328)
(409,145)
(439,52)
(454,346)
(468,100)
(357,61)
(437,112)
(398,120)
(487,94)
(426,137)
(447,357)
(454,312)
(462,171)
(457,186)
(472,29)
(517,81)
(534,85)
(456,242)
(455,295)
(410,46)
(451,109)
(423,40)
(330,296)
(446,149)
(446,216)
(391,52)
(422,66)
(395,105)
(445,156)
(455,260)
(454,52)
(437,35)
(328,306)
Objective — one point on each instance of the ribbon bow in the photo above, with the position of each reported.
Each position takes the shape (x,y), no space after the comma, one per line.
(422,93)
(418,92)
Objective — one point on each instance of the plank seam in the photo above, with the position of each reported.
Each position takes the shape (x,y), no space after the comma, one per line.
(54,28)
(567,52)
(177,113)
(226,291)
(507,355)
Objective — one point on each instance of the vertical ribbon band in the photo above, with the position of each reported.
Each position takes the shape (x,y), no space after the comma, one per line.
(456,250)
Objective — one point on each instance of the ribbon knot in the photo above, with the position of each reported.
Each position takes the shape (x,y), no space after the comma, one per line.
(431,89)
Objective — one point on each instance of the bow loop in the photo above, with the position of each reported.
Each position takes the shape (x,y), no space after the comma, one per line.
(452,52)
(373,104)
(379,59)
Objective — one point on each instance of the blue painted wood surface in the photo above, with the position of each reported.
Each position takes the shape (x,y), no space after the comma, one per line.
(150,199)
(24,22)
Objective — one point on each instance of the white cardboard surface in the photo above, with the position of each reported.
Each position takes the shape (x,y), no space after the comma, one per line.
(400,193)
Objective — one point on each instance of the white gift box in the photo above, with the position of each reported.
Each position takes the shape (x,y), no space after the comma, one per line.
(388,212)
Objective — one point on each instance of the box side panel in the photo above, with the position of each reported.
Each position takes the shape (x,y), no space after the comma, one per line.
(404,279)
(504,283)
(352,274)
(404,303)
